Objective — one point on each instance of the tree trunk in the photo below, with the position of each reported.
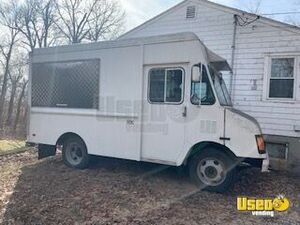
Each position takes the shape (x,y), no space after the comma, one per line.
(5,79)
(3,93)
(11,105)
(19,106)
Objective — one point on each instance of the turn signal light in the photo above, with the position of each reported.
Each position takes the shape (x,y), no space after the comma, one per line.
(260,144)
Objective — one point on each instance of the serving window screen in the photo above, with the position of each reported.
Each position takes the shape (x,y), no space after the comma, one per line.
(166,86)
(72,84)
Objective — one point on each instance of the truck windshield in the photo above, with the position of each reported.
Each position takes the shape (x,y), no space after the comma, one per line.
(220,87)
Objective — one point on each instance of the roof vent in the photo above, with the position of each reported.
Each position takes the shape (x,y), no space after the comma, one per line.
(191,12)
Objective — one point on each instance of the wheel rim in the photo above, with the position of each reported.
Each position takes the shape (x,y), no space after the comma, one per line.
(74,153)
(211,171)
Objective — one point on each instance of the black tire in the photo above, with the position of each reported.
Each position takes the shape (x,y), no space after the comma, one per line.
(211,161)
(75,153)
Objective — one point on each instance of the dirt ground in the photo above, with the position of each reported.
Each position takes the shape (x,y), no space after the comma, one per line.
(125,192)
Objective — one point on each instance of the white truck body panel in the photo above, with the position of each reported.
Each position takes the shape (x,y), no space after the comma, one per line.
(125,125)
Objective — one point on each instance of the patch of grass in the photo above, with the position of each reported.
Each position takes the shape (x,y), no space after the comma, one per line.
(11,146)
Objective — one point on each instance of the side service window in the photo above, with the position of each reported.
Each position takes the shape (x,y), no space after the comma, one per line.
(70,84)
(166,85)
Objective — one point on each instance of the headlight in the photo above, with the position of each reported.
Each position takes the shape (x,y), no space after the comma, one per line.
(260,144)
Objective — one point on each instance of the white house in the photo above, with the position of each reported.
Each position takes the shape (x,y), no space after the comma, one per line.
(265,57)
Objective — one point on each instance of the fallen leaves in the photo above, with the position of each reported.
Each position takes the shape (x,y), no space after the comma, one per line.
(125,192)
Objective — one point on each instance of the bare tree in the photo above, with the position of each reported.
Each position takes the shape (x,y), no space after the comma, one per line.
(7,19)
(91,19)
(107,21)
(30,24)
(73,17)
(19,103)
(16,73)
(35,21)
(14,83)
(6,52)
(254,6)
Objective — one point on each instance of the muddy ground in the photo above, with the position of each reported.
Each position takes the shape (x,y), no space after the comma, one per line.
(125,192)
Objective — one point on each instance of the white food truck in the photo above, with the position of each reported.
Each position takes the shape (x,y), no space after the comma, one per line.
(157,99)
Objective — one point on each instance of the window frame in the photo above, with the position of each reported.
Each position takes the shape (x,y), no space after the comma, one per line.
(75,60)
(211,86)
(286,153)
(165,102)
(268,77)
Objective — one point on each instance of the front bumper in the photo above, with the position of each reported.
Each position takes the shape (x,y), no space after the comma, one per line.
(263,164)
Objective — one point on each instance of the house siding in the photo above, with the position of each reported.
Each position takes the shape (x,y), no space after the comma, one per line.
(254,42)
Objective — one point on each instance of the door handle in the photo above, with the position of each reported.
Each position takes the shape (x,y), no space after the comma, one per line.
(184,113)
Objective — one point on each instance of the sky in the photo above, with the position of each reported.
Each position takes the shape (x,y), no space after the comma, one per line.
(139,11)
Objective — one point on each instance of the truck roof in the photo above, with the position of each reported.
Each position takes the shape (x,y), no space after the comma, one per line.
(186,36)
(219,62)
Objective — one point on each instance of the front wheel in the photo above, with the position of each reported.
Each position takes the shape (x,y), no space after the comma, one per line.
(75,153)
(213,170)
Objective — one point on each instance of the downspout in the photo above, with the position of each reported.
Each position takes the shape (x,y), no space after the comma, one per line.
(233,47)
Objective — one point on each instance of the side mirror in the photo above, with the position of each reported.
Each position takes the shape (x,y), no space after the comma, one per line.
(197,73)
(220,75)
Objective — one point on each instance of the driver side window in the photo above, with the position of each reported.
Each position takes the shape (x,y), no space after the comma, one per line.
(202,91)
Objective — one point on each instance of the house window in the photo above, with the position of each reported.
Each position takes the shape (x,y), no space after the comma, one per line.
(277,150)
(282,78)
(191,12)
(166,85)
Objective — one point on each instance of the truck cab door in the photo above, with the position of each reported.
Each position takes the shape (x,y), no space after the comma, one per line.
(164,113)
(205,116)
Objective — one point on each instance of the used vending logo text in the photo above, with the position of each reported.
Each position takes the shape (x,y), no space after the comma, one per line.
(263,207)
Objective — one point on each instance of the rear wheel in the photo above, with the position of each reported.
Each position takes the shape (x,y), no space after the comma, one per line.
(213,170)
(75,153)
